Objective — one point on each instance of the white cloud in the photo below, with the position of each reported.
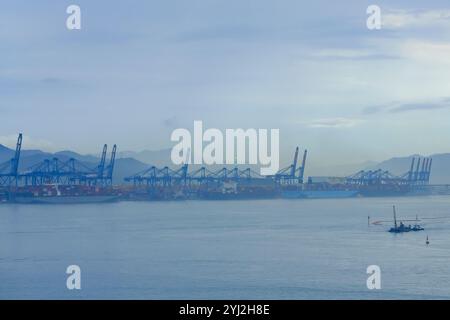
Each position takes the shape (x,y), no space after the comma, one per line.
(435,52)
(415,49)
(342,53)
(334,123)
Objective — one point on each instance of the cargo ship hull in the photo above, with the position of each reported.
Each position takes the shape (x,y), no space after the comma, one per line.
(66,199)
(319,194)
(236,196)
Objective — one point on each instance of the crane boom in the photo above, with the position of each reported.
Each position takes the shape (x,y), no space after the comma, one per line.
(101,166)
(112,162)
(294,164)
(15,162)
(302,169)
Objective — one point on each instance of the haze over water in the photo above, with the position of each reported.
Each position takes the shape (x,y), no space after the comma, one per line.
(265,249)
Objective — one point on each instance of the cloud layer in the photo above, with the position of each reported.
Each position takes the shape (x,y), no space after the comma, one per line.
(134,74)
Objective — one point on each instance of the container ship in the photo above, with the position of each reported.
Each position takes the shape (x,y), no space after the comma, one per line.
(157,193)
(64,199)
(263,189)
(67,194)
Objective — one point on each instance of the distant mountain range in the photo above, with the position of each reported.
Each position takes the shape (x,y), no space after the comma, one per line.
(129,163)
(159,158)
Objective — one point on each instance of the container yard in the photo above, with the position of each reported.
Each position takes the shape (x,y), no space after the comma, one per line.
(70,181)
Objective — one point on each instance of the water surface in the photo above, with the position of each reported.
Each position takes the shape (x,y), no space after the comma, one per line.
(264,249)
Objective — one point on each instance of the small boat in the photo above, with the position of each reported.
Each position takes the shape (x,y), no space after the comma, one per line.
(417,226)
(401,227)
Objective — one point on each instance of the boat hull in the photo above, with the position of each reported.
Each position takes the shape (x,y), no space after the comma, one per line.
(65,199)
(319,194)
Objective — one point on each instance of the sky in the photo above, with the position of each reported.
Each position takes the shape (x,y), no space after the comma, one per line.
(137,70)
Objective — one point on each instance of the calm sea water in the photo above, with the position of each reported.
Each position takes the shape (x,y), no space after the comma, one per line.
(265,249)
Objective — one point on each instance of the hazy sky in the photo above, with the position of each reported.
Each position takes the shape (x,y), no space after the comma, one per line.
(139,69)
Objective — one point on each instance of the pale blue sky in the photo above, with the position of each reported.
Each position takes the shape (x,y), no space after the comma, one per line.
(139,69)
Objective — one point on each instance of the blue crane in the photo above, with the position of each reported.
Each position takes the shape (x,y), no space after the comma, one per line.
(9,169)
(292,174)
(110,167)
(418,174)
(101,166)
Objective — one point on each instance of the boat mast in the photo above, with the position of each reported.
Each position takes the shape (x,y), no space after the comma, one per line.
(395,217)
